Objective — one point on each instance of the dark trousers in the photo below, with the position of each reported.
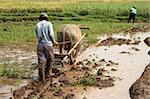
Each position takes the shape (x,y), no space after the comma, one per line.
(131,17)
(45,59)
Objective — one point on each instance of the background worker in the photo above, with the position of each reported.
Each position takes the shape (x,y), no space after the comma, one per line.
(133,13)
(45,36)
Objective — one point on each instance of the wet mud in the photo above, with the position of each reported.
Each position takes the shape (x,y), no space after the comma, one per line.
(105,71)
(101,72)
(140,28)
(69,81)
(117,41)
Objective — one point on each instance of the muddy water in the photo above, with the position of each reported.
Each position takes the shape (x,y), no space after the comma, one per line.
(14,56)
(6,91)
(11,56)
(132,60)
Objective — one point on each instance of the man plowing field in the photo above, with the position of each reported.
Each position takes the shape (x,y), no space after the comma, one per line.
(69,37)
(45,36)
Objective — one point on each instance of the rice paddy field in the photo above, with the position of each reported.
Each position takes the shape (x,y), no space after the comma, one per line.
(18,59)
(18,17)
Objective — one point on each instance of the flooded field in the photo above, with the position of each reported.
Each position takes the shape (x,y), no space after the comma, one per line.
(132,60)
(116,65)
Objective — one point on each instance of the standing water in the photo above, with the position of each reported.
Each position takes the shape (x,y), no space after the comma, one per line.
(131,59)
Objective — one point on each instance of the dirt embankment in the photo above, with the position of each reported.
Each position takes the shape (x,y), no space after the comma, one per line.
(139,28)
(117,41)
(141,88)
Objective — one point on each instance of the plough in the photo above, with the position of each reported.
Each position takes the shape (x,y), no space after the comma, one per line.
(60,59)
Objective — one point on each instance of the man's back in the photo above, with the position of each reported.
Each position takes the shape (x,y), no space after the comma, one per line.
(44,32)
(133,10)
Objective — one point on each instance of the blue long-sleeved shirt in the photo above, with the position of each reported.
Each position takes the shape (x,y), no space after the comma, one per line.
(44,32)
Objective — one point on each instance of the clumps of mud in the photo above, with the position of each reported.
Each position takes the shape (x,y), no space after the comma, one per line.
(54,86)
(66,81)
(125,52)
(94,63)
(102,83)
(33,88)
(99,69)
(134,48)
(141,88)
(140,28)
(117,41)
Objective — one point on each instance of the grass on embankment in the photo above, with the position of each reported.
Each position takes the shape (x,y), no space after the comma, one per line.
(14,71)
(11,74)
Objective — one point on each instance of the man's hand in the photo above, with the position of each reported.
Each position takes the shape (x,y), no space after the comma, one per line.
(55,43)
